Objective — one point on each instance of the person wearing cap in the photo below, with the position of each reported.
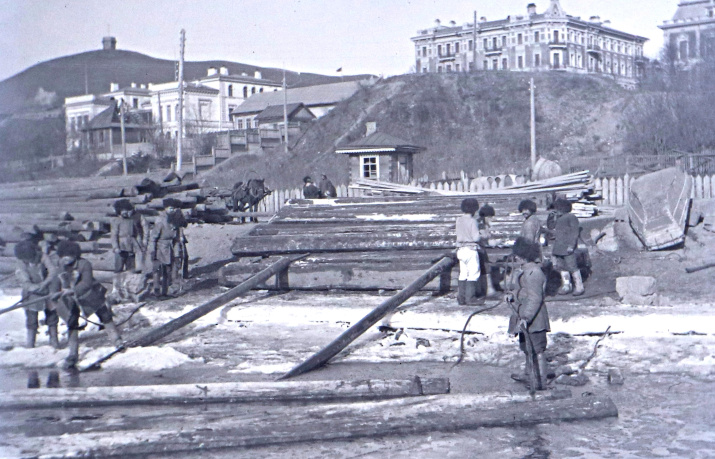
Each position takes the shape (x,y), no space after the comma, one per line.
(532,227)
(127,237)
(486,212)
(565,233)
(79,293)
(467,242)
(310,191)
(165,246)
(327,189)
(35,278)
(527,285)
(48,246)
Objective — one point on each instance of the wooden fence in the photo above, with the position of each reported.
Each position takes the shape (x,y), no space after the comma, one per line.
(614,190)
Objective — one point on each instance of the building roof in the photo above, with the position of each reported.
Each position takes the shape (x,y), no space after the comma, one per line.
(240,79)
(273,112)
(199,88)
(310,96)
(109,118)
(379,142)
(691,10)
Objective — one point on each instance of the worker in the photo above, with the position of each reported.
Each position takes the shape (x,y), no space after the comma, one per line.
(467,242)
(79,293)
(486,212)
(310,191)
(531,229)
(127,237)
(327,189)
(165,240)
(526,286)
(566,232)
(35,277)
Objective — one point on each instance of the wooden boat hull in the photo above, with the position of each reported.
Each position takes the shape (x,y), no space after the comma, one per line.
(658,207)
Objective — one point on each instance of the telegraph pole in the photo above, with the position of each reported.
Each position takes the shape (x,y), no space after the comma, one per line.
(124,139)
(533,125)
(180,136)
(285,110)
(474,43)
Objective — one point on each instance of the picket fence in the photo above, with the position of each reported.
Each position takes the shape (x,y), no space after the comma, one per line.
(614,190)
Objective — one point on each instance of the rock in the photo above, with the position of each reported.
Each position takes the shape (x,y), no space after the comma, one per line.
(608,242)
(615,378)
(422,342)
(569,380)
(637,290)
(564,370)
(607,301)
(623,231)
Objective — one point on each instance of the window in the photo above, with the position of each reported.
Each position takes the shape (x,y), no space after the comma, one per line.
(556,60)
(73,127)
(449,68)
(230,90)
(504,64)
(471,66)
(580,62)
(494,43)
(485,43)
(135,102)
(485,64)
(424,51)
(456,48)
(456,67)
(255,123)
(424,69)
(369,166)
(503,41)
(471,45)
(245,92)
(204,109)
(239,123)
(520,39)
(495,64)
(537,60)
(168,113)
(536,36)
(260,90)
(439,50)
(556,36)
(439,69)
(253,90)
(100,137)
(85,120)
(447,49)
(520,62)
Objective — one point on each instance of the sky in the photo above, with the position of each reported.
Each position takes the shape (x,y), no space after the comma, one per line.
(320,36)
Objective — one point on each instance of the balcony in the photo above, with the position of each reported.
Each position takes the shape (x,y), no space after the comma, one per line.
(558,45)
(493,51)
(444,57)
(594,49)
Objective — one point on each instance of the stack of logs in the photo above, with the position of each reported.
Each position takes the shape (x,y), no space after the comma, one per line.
(82,210)
(367,243)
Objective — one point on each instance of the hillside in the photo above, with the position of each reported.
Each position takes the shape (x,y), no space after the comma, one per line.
(465,121)
(48,83)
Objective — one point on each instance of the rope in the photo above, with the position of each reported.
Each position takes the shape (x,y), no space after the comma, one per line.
(464,330)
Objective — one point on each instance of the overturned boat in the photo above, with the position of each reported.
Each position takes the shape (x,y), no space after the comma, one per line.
(658,207)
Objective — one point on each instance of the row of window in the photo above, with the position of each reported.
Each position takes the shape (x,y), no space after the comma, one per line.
(248,123)
(78,122)
(245,91)
(608,44)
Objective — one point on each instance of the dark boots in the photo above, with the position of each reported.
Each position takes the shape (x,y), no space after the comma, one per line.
(461,292)
(470,293)
(73,350)
(54,340)
(31,337)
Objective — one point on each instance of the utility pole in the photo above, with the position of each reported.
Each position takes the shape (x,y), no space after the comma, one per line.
(533,125)
(285,109)
(474,43)
(180,135)
(161,114)
(86,80)
(124,138)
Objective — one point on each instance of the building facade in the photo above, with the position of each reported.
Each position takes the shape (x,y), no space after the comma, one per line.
(689,36)
(552,40)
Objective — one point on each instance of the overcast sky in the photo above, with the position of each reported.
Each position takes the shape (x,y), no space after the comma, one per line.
(361,36)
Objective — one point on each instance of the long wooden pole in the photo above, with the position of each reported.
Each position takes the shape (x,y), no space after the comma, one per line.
(533,124)
(196,313)
(285,110)
(348,336)
(180,136)
(124,137)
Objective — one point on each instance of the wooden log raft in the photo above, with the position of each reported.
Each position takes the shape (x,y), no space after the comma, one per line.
(325,422)
(441,268)
(232,392)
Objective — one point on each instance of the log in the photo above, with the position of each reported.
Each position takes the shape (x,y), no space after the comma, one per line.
(231,392)
(290,425)
(699,268)
(341,342)
(200,311)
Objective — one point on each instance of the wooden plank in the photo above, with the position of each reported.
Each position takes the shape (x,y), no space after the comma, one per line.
(230,392)
(325,422)
(341,342)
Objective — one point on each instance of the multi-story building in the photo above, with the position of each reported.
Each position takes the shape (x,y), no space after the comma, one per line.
(552,40)
(690,36)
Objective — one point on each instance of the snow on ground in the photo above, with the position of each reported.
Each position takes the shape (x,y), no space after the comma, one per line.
(153,358)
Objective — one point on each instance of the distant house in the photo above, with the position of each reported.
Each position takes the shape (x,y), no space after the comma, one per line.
(103,137)
(690,35)
(381,157)
(319,99)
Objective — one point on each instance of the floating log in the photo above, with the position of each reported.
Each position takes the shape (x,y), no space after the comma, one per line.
(331,350)
(231,392)
(196,313)
(290,425)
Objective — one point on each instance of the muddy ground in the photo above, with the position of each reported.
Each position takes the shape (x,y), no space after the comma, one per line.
(666,353)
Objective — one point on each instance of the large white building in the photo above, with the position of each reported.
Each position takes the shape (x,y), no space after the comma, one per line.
(690,34)
(552,40)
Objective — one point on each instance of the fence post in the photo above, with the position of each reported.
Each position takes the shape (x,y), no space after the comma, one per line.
(707,187)
(626,188)
(698,182)
(612,190)
(619,191)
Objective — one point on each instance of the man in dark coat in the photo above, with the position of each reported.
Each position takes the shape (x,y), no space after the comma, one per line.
(35,276)
(566,232)
(79,293)
(527,284)
(327,189)
(167,246)
(127,237)
(310,191)
(486,213)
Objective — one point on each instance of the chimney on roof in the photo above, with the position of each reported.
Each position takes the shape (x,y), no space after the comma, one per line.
(437,23)
(109,43)
(211,71)
(531,9)
(483,19)
(258,75)
(370,128)
(113,87)
(143,86)
(223,70)
(452,23)
(595,19)
(134,85)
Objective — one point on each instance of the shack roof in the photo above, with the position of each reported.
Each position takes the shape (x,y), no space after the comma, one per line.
(276,111)
(379,142)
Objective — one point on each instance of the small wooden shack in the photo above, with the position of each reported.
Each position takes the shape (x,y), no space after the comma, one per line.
(380,156)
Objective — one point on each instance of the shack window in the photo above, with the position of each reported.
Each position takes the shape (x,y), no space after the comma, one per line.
(369,166)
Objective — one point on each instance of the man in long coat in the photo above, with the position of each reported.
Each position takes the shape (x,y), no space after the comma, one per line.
(127,237)
(566,232)
(165,245)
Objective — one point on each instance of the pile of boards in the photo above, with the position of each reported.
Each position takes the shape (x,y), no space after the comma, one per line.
(82,210)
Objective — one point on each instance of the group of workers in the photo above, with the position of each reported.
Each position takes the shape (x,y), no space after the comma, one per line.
(325,189)
(525,285)
(56,280)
